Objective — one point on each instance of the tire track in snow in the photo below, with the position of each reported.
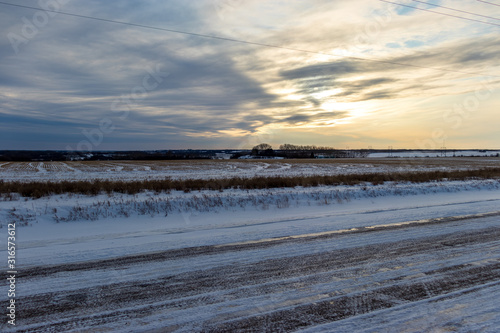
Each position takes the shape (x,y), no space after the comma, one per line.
(330,285)
(240,246)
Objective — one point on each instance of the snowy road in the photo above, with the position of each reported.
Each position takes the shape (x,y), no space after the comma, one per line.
(441,275)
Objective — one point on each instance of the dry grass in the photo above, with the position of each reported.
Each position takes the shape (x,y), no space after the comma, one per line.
(37,189)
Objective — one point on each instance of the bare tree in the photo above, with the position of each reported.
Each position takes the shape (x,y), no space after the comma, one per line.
(263,146)
(263,149)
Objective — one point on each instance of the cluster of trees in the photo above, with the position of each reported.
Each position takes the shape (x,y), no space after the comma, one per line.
(288,146)
(27,155)
(288,150)
(293,151)
(263,149)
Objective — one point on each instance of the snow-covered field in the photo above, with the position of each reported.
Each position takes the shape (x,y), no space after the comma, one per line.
(135,170)
(396,257)
(436,153)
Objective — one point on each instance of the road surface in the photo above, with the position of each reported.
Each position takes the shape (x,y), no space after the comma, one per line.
(441,275)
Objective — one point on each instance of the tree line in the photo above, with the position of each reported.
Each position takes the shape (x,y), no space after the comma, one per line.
(302,151)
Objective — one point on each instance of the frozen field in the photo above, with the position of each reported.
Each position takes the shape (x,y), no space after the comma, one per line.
(396,257)
(133,170)
(437,153)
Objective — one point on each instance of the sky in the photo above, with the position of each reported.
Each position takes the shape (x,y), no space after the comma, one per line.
(343,73)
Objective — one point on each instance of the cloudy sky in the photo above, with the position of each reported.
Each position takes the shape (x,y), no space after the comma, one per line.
(340,73)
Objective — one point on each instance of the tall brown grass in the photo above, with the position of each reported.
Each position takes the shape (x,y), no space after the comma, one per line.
(37,189)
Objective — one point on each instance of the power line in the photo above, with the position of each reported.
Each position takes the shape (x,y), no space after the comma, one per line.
(457,10)
(244,41)
(490,3)
(432,11)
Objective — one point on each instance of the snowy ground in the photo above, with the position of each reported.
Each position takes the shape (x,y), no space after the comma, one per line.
(385,258)
(134,170)
(436,153)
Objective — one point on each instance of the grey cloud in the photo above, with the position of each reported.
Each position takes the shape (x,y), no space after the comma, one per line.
(313,78)
(379,94)
(251,122)
(482,51)
(305,118)
(96,70)
(369,83)
(332,70)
